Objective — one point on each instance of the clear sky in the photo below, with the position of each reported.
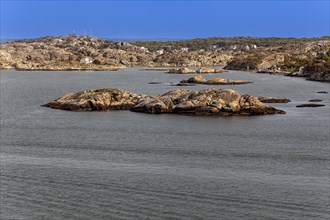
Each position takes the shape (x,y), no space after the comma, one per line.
(164,19)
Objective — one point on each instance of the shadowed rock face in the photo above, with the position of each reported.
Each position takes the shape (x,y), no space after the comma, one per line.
(97,100)
(180,101)
(215,81)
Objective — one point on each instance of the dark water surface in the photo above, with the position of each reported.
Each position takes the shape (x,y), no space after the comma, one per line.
(123,165)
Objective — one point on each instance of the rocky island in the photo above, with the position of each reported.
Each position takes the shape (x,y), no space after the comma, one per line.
(300,57)
(97,100)
(215,81)
(223,102)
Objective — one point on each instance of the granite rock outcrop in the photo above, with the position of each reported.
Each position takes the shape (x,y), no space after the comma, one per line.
(97,100)
(223,102)
(213,101)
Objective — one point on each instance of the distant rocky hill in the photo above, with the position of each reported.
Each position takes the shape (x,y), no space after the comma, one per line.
(83,52)
(308,57)
(69,52)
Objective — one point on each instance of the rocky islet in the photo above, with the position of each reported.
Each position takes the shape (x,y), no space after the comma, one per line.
(199,79)
(215,101)
(267,99)
(97,100)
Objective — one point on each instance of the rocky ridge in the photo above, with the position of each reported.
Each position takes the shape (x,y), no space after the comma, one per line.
(89,53)
(310,60)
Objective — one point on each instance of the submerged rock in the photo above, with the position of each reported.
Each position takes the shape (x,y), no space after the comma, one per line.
(215,81)
(266,99)
(97,100)
(315,100)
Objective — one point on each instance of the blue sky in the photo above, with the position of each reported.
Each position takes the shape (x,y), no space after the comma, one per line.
(164,19)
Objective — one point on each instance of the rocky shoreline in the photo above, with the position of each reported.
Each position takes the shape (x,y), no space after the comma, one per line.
(215,101)
(309,58)
(73,68)
(202,70)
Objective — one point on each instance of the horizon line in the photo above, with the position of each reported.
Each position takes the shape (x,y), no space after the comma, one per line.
(157,38)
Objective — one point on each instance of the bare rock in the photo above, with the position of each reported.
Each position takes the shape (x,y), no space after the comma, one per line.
(210,70)
(152,106)
(214,101)
(205,102)
(195,79)
(199,79)
(97,100)
(266,99)
(184,70)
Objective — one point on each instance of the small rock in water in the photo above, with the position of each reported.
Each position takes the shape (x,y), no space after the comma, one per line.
(210,70)
(315,100)
(184,84)
(266,99)
(309,105)
(325,92)
(183,70)
(155,83)
(199,79)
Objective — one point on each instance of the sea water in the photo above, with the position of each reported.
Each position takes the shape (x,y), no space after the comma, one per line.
(123,165)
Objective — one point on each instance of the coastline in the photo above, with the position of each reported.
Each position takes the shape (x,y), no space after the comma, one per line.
(147,68)
(307,58)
